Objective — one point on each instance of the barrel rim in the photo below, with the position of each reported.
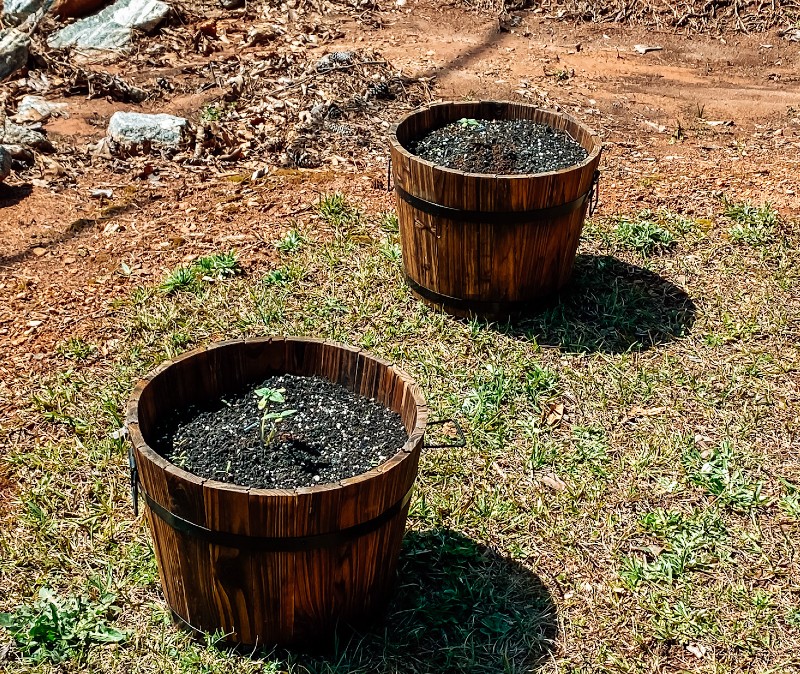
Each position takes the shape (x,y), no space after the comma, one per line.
(141,446)
(592,156)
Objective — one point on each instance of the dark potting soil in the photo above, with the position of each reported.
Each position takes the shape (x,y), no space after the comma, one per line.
(331,435)
(499,146)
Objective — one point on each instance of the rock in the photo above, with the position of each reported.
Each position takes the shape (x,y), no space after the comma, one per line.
(37,109)
(14,48)
(5,164)
(231,4)
(16,11)
(112,28)
(13,134)
(134,131)
(20,153)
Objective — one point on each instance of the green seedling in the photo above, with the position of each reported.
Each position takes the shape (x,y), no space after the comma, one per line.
(468,123)
(267,396)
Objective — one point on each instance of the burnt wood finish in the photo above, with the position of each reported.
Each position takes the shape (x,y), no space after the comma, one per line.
(263,596)
(494,260)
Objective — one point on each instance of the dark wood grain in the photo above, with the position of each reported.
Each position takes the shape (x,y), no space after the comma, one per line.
(511,264)
(260,597)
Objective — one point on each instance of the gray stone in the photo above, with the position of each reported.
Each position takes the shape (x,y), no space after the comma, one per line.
(16,11)
(5,163)
(37,109)
(134,130)
(14,48)
(112,28)
(13,134)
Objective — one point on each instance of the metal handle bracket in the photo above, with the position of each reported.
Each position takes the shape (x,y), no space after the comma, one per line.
(460,442)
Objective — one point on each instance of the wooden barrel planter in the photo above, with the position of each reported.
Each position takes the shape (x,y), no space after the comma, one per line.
(482,243)
(274,566)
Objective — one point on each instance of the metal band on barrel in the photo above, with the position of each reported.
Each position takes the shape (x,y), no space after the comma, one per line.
(495,217)
(276,543)
(480,306)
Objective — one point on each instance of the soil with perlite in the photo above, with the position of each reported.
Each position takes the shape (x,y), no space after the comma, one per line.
(506,146)
(325,433)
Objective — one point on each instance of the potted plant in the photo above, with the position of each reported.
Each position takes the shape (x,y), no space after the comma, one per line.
(281,564)
(489,221)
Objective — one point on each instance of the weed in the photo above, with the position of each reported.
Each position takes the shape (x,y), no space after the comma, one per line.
(680,622)
(279,276)
(490,389)
(76,348)
(388,222)
(182,278)
(214,267)
(337,211)
(700,111)
(643,234)
(790,502)
(540,383)
(753,225)
(720,477)
(213,112)
(291,242)
(590,450)
(391,251)
(218,266)
(690,543)
(58,628)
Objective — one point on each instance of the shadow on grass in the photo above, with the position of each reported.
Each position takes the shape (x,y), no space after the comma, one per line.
(609,306)
(458,607)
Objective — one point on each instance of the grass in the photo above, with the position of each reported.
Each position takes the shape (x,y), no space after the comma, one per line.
(290,242)
(206,269)
(627,499)
(57,628)
(643,234)
(752,225)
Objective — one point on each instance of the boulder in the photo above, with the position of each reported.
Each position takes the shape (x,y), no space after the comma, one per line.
(16,11)
(13,134)
(111,29)
(14,47)
(134,131)
(37,109)
(5,163)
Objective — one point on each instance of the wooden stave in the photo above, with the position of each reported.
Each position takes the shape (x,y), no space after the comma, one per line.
(534,259)
(478,191)
(212,587)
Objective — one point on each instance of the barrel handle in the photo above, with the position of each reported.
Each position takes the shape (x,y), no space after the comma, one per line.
(594,193)
(134,481)
(460,442)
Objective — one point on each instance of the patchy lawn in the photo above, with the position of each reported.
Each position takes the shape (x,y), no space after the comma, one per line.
(628,500)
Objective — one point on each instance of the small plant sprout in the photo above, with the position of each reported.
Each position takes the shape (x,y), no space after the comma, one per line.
(468,123)
(267,396)
(291,242)
(214,267)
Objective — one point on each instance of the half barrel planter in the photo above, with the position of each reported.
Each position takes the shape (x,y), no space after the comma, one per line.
(274,566)
(489,244)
